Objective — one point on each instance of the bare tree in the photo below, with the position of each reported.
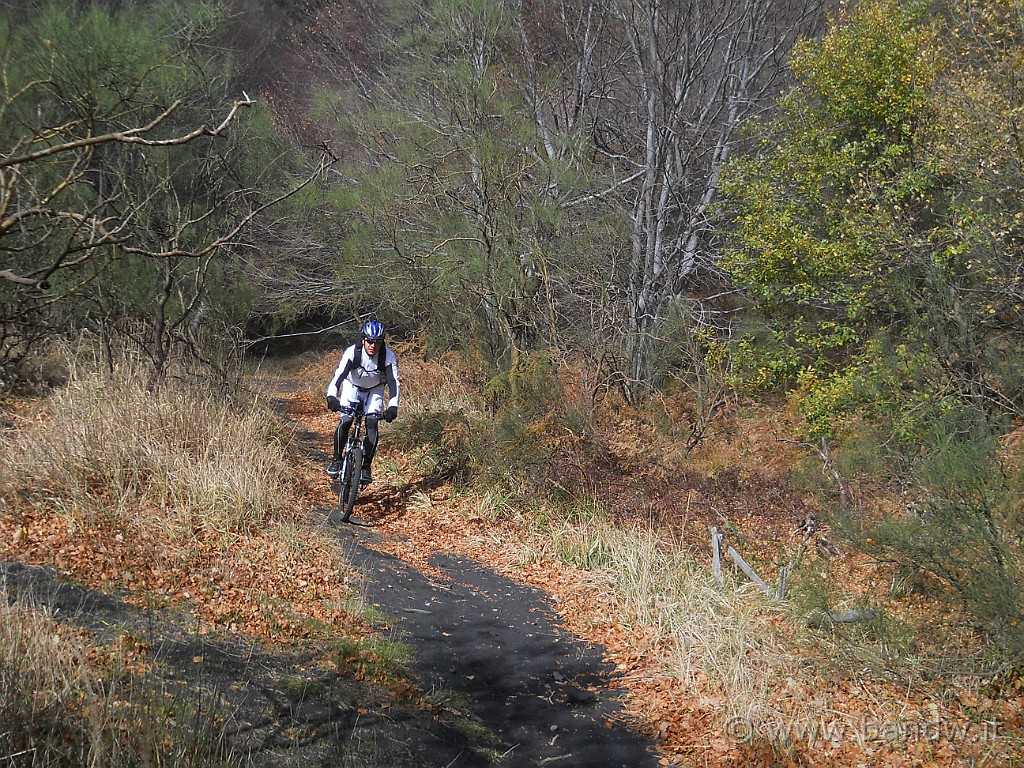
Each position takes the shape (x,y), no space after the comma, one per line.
(62,228)
(645,99)
(697,69)
(46,217)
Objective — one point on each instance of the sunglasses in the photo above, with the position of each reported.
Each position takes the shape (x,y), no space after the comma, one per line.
(371,341)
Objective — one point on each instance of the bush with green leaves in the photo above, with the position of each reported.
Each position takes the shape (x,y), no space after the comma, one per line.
(860,223)
(875,229)
(129,170)
(960,526)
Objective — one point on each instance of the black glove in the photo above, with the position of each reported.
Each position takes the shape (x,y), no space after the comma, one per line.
(390,413)
(333,403)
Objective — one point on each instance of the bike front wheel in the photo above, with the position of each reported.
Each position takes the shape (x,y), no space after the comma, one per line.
(350,483)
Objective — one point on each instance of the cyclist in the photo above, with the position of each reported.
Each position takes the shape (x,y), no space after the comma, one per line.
(363,371)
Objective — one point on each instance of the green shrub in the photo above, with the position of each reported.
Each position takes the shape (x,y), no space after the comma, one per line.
(959,525)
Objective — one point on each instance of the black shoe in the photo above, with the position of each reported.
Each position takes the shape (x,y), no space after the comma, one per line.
(365,478)
(334,468)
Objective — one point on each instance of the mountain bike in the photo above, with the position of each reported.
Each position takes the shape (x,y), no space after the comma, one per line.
(351,465)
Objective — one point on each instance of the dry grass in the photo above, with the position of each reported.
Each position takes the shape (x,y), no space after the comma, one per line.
(105,446)
(711,637)
(182,490)
(189,493)
(45,675)
(66,704)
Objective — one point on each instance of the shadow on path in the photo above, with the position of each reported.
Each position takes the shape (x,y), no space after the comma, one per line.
(277,709)
(496,643)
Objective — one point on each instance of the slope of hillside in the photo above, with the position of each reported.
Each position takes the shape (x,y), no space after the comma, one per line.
(745,680)
(524,615)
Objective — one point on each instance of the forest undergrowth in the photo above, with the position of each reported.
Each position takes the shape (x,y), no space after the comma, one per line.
(180,500)
(596,502)
(612,513)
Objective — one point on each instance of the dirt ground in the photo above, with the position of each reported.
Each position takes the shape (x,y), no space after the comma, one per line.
(508,664)
(512,687)
(496,646)
(493,677)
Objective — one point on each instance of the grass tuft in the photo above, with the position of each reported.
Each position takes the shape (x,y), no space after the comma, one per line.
(107,446)
(717,638)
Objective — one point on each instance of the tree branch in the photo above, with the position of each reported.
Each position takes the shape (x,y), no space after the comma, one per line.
(134,135)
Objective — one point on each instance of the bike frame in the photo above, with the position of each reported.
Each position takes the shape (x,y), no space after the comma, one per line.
(351,465)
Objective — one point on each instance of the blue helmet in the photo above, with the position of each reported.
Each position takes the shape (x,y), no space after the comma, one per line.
(373,330)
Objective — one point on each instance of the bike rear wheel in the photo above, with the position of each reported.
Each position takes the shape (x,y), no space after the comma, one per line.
(350,476)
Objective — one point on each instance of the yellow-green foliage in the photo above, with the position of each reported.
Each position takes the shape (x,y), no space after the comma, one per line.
(824,401)
(814,219)
(879,212)
(528,386)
